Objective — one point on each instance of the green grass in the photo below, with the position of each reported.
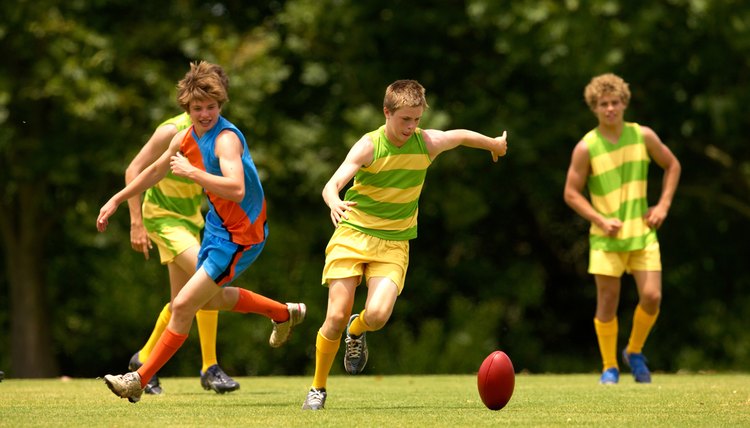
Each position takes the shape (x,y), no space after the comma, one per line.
(387,401)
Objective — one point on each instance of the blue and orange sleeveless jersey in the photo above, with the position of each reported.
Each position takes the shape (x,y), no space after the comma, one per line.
(242,223)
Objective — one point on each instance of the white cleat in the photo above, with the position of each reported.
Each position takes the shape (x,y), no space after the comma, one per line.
(282,330)
(125,386)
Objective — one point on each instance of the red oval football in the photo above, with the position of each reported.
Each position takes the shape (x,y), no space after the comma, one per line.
(496,380)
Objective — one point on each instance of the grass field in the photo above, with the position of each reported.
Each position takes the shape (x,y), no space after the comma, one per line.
(701,400)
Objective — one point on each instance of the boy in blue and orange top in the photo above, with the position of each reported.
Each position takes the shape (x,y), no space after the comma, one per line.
(169,215)
(374,223)
(613,160)
(214,154)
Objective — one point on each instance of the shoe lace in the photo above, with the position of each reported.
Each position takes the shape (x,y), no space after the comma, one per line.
(315,397)
(353,347)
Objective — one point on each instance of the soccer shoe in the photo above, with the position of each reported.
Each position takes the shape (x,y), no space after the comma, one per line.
(316,399)
(282,330)
(215,379)
(355,357)
(610,376)
(153,387)
(637,364)
(125,386)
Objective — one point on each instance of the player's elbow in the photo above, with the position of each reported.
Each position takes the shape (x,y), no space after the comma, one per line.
(677,167)
(130,173)
(236,194)
(569,197)
(328,189)
(239,196)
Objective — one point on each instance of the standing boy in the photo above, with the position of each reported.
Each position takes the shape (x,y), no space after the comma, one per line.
(612,160)
(214,154)
(374,223)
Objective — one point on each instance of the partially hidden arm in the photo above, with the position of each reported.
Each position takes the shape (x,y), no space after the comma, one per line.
(149,153)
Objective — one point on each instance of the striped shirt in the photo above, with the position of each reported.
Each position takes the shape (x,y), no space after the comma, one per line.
(387,191)
(617,187)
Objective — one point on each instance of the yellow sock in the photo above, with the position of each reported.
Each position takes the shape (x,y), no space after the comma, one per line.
(606,333)
(208,323)
(159,327)
(642,323)
(359,325)
(325,353)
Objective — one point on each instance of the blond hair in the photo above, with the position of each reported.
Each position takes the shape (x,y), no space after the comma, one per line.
(404,93)
(606,84)
(204,81)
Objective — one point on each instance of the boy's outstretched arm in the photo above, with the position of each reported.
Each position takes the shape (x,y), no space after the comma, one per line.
(147,178)
(440,141)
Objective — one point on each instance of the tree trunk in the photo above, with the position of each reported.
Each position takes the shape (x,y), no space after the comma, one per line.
(31,343)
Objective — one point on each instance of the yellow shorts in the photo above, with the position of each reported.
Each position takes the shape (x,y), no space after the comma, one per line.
(613,263)
(352,253)
(172,241)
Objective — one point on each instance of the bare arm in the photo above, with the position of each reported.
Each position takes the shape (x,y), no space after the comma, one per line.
(147,178)
(149,153)
(359,155)
(231,184)
(663,157)
(578,173)
(440,141)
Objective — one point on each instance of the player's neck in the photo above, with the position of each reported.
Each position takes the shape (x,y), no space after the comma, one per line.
(393,139)
(611,132)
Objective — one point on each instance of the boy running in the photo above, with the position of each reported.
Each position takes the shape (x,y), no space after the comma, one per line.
(214,154)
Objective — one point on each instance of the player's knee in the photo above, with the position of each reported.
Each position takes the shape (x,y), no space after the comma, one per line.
(336,322)
(651,298)
(376,319)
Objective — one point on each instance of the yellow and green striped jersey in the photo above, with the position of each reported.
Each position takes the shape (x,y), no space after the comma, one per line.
(387,191)
(617,186)
(174,201)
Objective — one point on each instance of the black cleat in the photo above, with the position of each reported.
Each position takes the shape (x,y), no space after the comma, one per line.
(355,356)
(215,379)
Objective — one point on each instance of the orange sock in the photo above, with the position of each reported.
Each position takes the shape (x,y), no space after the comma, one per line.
(250,302)
(168,344)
